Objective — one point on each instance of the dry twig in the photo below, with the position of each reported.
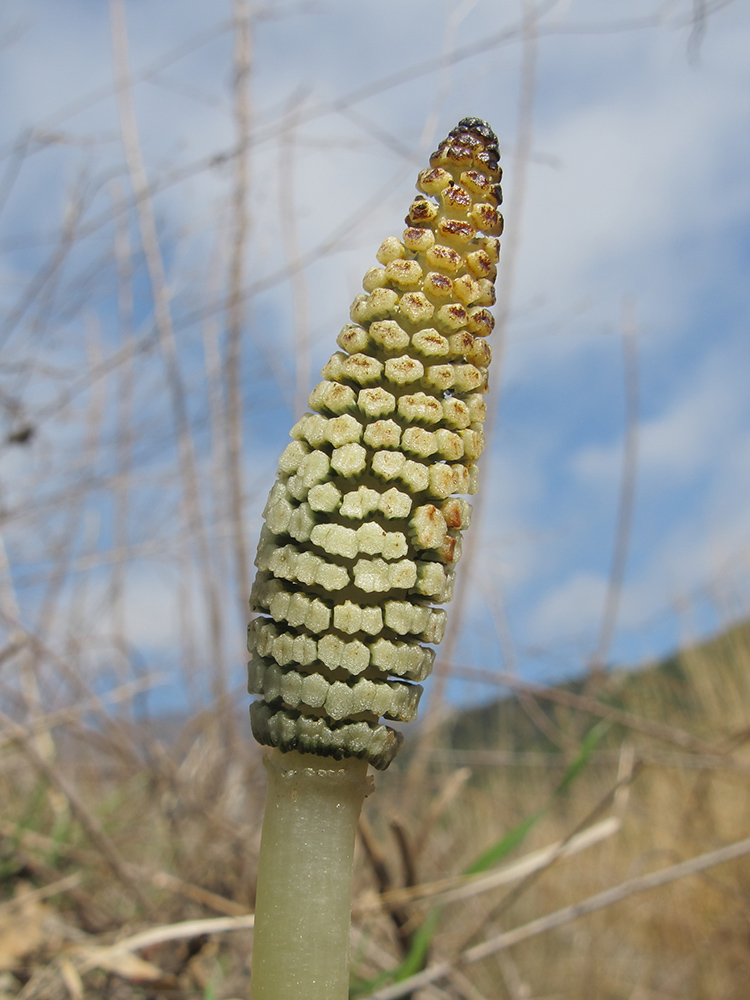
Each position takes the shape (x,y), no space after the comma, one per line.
(565,915)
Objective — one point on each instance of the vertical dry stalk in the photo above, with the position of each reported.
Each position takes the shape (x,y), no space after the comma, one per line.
(298,276)
(240,219)
(58,577)
(168,348)
(16,159)
(188,616)
(72,216)
(44,286)
(90,522)
(124,442)
(220,478)
(527,702)
(627,492)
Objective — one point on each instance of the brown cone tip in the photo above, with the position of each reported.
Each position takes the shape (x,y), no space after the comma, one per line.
(472,142)
(480,126)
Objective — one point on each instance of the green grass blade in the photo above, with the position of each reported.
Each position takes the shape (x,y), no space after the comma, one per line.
(507,843)
(417,956)
(420,946)
(514,837)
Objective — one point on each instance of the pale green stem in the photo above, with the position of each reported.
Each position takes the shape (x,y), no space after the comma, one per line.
(304,898)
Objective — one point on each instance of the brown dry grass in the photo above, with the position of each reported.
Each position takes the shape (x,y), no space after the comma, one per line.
(184,823)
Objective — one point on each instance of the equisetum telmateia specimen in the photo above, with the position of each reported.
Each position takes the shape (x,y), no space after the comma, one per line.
(363,527)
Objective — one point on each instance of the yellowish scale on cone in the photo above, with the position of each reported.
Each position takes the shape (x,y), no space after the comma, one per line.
(363,524)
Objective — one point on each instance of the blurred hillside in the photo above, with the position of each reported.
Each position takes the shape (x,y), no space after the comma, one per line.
(703,690)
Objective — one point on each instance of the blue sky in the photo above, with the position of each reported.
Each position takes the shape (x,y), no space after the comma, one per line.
(637,202)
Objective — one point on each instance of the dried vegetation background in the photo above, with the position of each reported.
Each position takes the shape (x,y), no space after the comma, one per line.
(572,842)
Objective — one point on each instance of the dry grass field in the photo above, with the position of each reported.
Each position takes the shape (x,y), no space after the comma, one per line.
(113,838)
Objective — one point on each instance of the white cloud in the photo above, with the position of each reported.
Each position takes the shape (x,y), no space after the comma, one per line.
(152,614)
(697,557)
(647,172)
(682,441)
(569,609)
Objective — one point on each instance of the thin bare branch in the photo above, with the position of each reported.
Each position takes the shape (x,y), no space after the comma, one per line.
(103,93)
(626,504)
(168,347)
(377,860)
(45,892)
(69,232)
(168,932)
(582,828)
(83,814)
(454,785)
(459,887)
(240,221)
(650,727)
(126,386)
(300,292)
(565,915)
(44,723)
